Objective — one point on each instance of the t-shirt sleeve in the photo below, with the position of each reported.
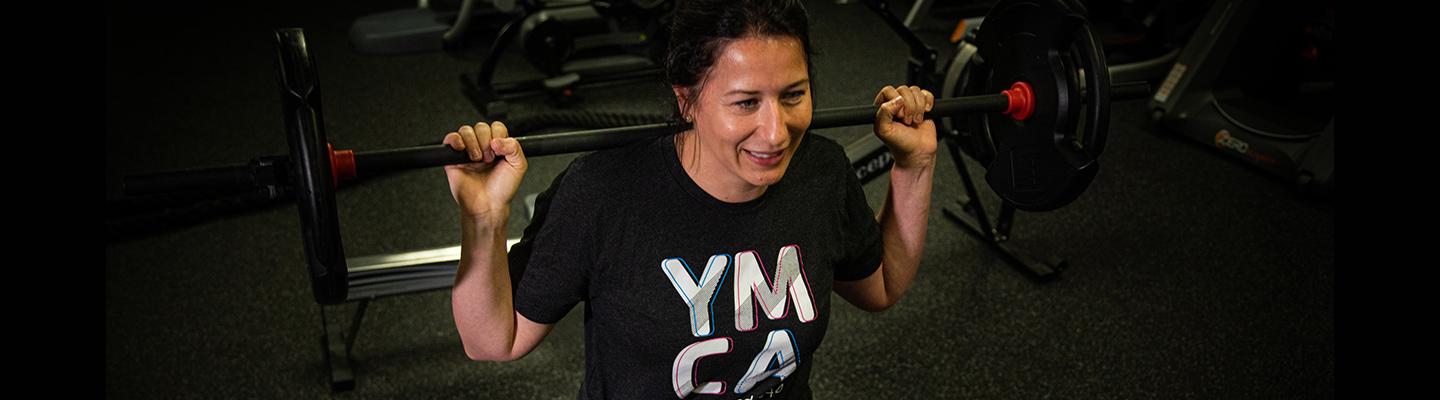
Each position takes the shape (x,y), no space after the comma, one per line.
(549,267)
(859,233)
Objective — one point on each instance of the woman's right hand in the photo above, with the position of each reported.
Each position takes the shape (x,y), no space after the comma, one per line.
(483,189)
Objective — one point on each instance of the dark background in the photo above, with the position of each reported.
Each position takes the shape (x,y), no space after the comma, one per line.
(1192,276)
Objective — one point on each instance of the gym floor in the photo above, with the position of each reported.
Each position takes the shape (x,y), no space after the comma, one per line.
(1192,276)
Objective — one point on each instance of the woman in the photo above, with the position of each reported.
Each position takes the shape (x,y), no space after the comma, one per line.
(705,259)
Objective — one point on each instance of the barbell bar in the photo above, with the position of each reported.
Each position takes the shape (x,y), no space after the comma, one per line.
(1038,71)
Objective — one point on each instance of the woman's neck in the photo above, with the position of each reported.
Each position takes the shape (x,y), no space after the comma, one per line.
(710,176)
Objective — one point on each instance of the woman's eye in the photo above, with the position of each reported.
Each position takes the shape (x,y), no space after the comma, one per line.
(795,96)
(792,97)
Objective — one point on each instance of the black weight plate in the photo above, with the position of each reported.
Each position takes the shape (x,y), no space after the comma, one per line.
(310,167)
(1041,163)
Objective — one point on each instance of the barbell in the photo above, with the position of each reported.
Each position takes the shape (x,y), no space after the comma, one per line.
(1038,70)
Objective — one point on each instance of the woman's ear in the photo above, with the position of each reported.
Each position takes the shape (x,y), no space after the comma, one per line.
(683,101)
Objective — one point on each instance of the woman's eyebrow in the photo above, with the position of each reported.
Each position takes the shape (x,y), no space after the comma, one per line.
(755,92)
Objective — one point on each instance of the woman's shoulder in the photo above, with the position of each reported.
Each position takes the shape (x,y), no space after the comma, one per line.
(822,154)
(612,168)
(823,146)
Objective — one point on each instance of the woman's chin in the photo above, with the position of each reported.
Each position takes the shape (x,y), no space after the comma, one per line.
(766,177)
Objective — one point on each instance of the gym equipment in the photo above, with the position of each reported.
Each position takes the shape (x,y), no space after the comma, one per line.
(1031,170)
(1037,106)
(1041,109)
(427,27)
(314,169)
(1036,165)
(574,44)
(1258,85)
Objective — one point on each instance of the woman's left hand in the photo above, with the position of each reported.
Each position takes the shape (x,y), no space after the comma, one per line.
(901,124)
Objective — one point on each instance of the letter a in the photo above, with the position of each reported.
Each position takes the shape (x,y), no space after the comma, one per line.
(778,360)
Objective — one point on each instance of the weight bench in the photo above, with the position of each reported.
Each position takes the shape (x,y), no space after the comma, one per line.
(376,276)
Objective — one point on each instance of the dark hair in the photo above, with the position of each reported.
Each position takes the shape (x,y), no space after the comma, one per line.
(699,29)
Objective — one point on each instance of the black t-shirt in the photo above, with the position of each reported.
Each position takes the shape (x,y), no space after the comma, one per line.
(659,264)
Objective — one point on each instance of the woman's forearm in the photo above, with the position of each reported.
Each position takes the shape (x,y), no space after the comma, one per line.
(481,299)
(904,217)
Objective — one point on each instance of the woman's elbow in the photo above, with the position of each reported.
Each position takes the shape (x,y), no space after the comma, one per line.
(875,303)
(878,306)
(476,353)
(480,347)
(474,356)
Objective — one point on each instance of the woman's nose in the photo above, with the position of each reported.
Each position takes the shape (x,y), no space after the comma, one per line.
(773,128)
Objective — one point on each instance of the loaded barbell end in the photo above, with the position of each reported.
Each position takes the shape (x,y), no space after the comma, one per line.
(1022,101)
(342,165)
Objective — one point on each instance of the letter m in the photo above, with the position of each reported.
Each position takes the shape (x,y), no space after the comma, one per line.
(789,283)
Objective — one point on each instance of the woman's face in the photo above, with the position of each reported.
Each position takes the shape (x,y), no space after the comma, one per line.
(754,108)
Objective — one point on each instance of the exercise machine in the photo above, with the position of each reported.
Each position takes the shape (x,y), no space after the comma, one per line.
(1256,83)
